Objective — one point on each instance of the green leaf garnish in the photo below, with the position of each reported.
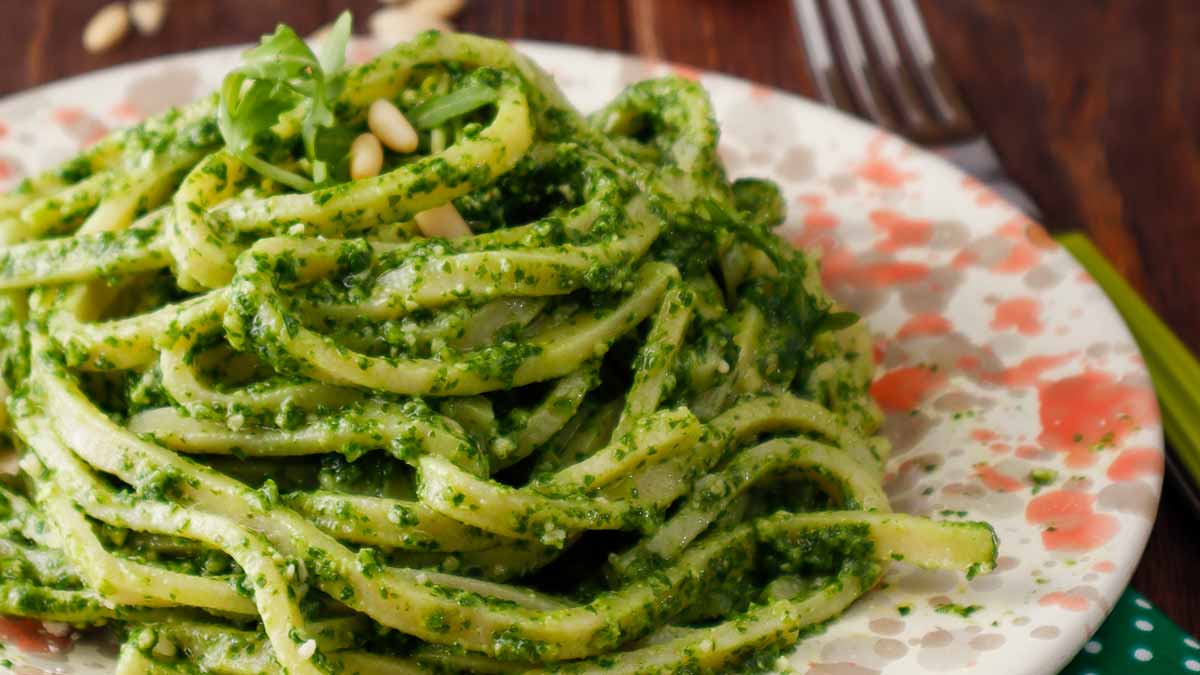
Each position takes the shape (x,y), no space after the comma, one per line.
(333,50)
(332,148)
(246,114)
(282,57)
(437,111)
(283,73)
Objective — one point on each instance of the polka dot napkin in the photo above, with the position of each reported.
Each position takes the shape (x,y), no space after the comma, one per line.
(1137,638)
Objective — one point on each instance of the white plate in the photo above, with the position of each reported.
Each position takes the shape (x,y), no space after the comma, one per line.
(998,356)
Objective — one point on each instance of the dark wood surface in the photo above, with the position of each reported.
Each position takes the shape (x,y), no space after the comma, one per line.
(1094,108)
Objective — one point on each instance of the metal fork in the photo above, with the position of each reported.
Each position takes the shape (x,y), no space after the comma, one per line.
(880,64)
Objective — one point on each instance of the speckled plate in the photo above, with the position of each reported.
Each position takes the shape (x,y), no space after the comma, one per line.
(1014,393)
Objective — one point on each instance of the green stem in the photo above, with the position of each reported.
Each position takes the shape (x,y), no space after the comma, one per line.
(1172,366)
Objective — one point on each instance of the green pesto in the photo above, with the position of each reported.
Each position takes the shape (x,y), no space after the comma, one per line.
(266,424)
(965,611)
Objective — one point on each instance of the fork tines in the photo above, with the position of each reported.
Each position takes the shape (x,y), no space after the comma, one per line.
(877,62)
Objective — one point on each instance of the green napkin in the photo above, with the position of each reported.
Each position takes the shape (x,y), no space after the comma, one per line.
(1137,638)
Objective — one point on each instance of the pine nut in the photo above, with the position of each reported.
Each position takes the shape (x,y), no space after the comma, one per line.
(106,28)
(442,9)
(443,221)
(148,15)
(391,126)
(366,157)
(307,649)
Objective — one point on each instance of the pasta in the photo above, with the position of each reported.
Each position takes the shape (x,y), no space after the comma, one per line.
(267,425)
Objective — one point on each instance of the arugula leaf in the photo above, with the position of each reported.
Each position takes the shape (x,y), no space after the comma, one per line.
(281,56)
(256,110)
(438,111)
(283,71)
(333,51)
(333,55)
(332,148)
(245,115)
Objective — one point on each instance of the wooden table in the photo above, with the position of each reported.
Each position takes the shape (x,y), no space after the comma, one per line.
(1091,107)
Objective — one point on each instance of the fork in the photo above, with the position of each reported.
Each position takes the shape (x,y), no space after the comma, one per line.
(882,67)
(877,62)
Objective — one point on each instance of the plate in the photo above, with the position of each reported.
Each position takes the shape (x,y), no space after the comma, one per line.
(1014,393)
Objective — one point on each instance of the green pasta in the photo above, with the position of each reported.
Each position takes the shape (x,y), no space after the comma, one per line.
(268,421)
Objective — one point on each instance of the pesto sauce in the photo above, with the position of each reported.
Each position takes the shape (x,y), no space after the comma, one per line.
(397,422)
